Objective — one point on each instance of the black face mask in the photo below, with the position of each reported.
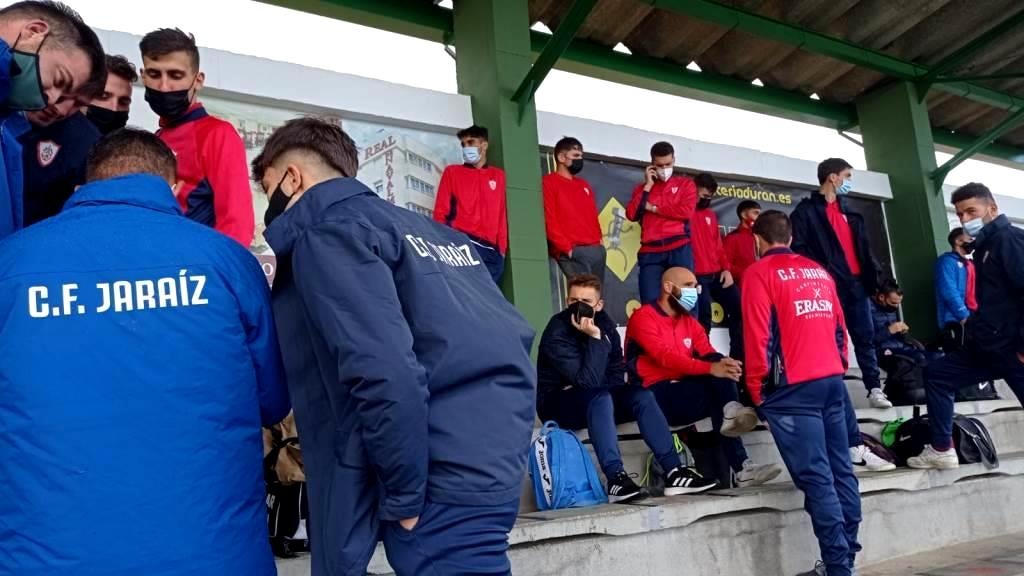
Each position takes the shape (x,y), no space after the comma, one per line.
(278,202)
(576,167)
(580,310)
(703,203)
(169,105)
(968,248)
(106,120)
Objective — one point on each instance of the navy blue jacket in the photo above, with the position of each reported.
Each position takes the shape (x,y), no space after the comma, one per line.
(998,324)
(814,238)
(409,371)
(951,288)
(139,361)
(570,358)
(13,126)
(882,317)
(54,160)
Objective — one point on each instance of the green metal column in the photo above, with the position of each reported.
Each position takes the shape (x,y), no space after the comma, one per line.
(898,141)
(492,58)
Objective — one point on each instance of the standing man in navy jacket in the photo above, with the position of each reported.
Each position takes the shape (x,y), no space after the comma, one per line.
(471,199)
(995,333)
(582,384)
(411,376)
(796,357)
(827,231)
(139,419)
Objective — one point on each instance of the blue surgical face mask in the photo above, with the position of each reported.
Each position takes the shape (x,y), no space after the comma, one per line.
(471,154)
(844,188)
(687,298)
(973,227)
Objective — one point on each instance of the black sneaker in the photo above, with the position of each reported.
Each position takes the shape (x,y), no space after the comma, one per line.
(622,488)
(685,480)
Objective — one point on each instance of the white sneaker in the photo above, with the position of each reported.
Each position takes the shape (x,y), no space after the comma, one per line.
(878,399)
(756,474)
(739,420)
(864,459)
(930,458)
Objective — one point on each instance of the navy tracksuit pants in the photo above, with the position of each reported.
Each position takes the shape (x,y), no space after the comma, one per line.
(711,289)
(600,409)
(452,540)
(809,424)
(947,374)
(653,265)
(491,258)
(857,310)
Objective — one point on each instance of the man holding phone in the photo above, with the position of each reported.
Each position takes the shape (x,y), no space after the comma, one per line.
(663,205)
(581,383)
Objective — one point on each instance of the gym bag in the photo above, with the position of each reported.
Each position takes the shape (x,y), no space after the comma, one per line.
(973,442)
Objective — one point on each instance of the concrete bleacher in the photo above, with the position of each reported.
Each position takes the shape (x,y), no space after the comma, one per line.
(765,530)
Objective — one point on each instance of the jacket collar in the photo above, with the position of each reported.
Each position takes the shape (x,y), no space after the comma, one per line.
(775,251)
(991,230)
(195,112)
(818,199)
(141,190)
(308,210)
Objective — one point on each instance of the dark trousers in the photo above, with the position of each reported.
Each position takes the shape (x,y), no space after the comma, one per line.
(857,310)
(653,265)
(711,289)
(452,540)
(584,260)
(491,257)
(947,374)
(809,424)
(691,399)
(600,409)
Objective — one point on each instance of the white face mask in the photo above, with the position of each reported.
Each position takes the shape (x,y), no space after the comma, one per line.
(665,173)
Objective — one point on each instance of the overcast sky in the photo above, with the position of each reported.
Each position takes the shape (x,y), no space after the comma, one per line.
(248,27)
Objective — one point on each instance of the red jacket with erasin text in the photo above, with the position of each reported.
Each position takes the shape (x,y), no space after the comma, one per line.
(793,325)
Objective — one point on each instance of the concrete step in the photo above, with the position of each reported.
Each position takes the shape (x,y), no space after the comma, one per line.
(758,530)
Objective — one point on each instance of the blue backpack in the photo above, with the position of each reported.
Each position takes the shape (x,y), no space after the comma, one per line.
(562,471)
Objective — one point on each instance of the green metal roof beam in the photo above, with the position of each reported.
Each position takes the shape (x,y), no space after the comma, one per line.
(1001,153)
(553,49)
(984,77)
(958,57)
(826,45)
(1009,123)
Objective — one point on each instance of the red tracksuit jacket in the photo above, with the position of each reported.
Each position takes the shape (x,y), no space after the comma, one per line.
(708,251)
(570,214)
(215,172)
(740,250)
(669,227)
(472,200)
(793,326)
(665,348)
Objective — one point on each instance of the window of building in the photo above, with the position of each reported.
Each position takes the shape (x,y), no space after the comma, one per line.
(378,187)
(419,209)
(417,185)
(419,161)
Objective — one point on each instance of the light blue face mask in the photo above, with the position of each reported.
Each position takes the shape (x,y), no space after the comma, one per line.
(973,227)
(844,188)
(687,298)
(471,154)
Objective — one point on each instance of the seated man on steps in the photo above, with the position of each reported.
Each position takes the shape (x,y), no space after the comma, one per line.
(669,353)
(580,382)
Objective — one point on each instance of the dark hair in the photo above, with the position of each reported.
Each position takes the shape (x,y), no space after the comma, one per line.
(972,190)
(706,181)
(889,286)
(473,131)
(130,151)
(746,205)
(831,166)
(67,30)
(585,281)
(164,41)
(120,66)
(662,149)
(567,144)
(954,235)
(774,227)
(312,135)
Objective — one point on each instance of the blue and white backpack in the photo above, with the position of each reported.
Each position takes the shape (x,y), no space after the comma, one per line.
(563,473)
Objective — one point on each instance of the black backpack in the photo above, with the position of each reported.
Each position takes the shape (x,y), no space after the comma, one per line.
(287,505)
(973,442)
(904,380)
(911,438)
